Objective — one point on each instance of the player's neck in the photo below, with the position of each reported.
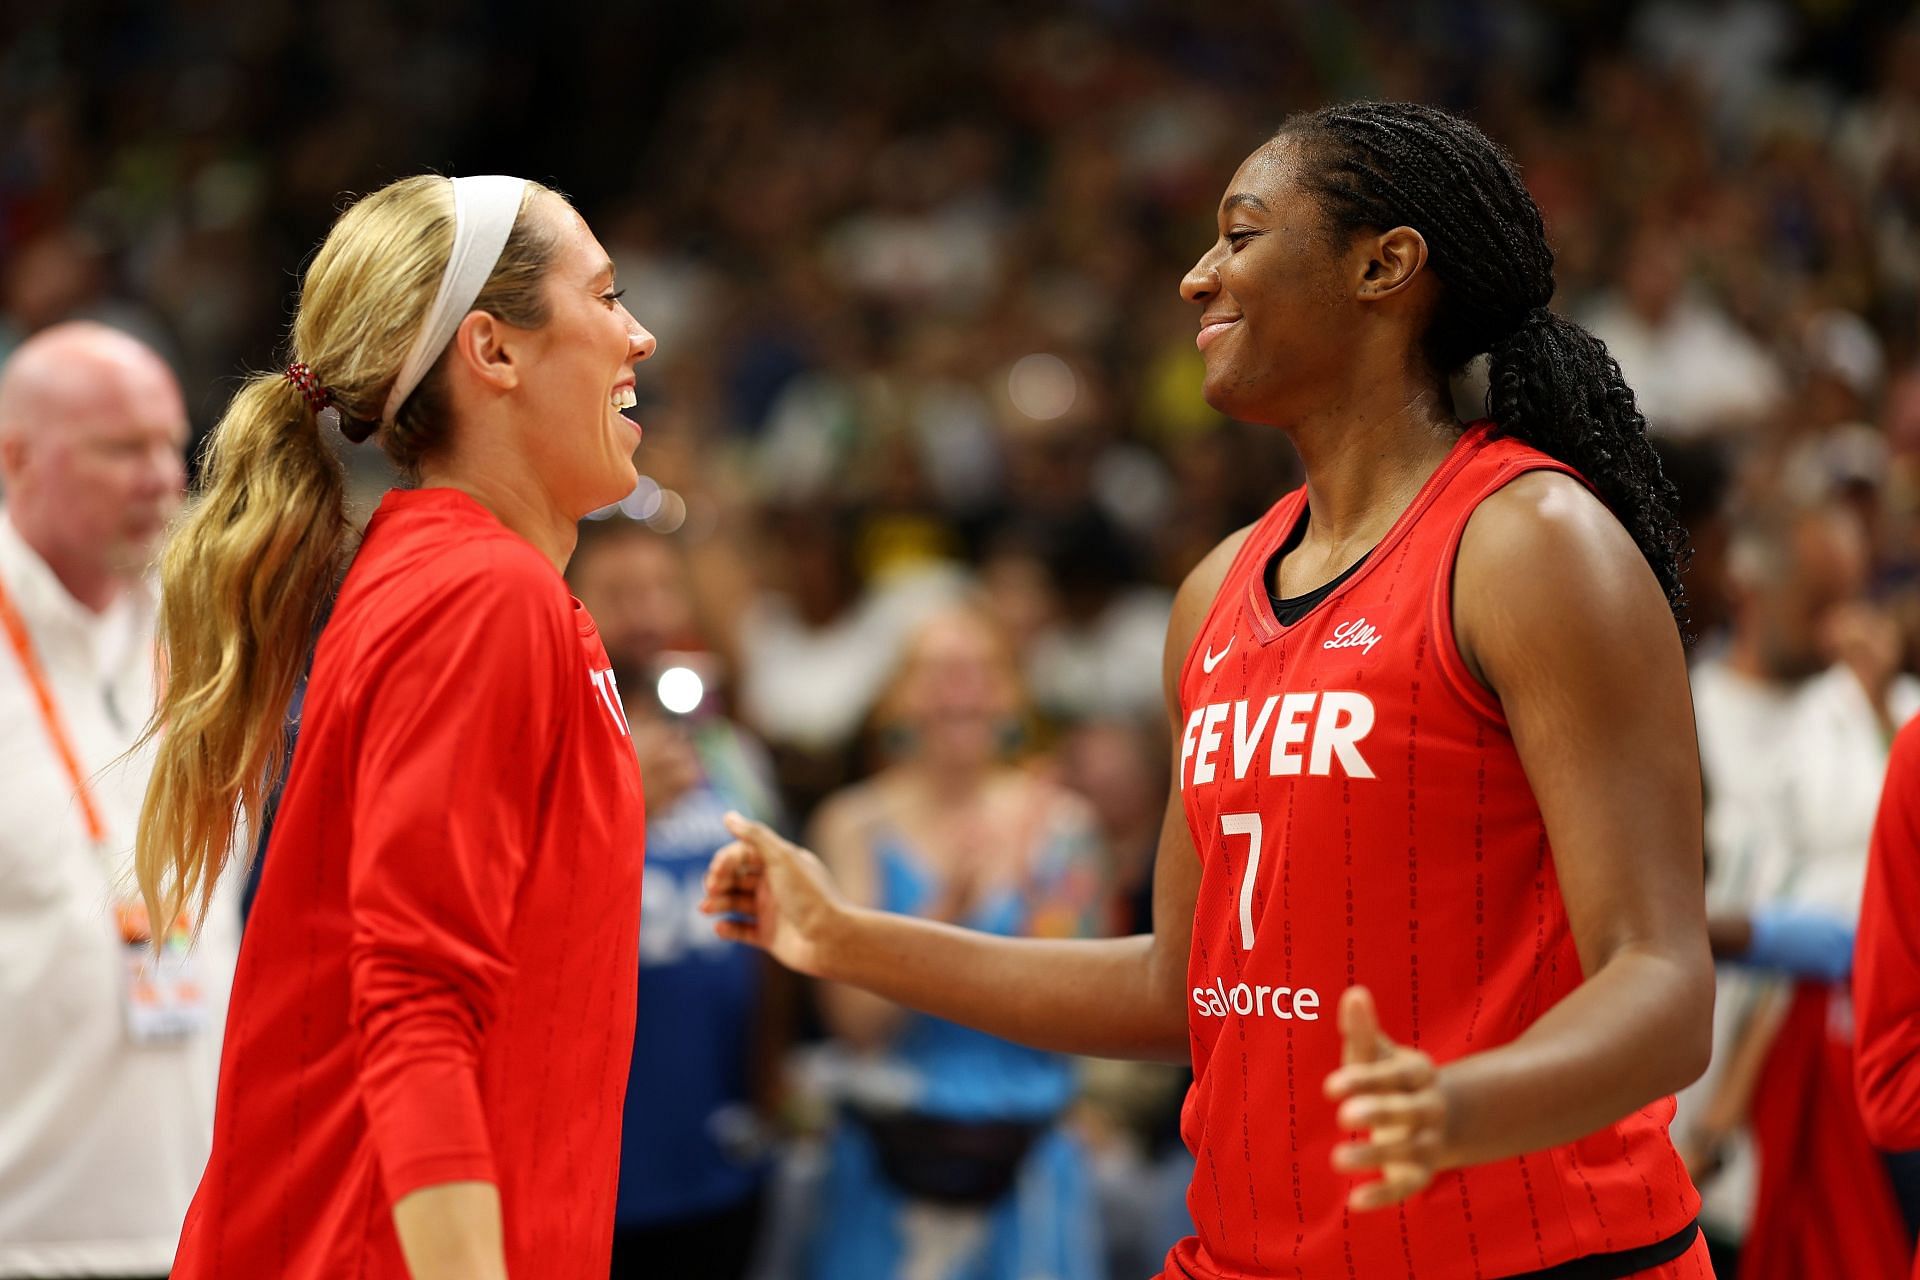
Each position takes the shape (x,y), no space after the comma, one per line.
(1366,463)
(517,501)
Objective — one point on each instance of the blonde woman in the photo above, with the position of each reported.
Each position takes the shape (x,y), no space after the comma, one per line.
(427,1043)
(948,1162)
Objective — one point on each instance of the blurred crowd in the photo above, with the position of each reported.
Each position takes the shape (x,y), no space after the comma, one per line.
(925,453)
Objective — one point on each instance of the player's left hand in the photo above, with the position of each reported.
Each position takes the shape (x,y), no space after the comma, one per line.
(1390,1093)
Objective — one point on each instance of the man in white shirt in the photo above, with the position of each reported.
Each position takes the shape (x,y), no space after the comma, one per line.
(1693,370)
(107,1057)
(1794,718)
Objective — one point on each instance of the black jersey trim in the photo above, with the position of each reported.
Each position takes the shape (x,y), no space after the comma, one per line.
(1620,1264)
(1289,610)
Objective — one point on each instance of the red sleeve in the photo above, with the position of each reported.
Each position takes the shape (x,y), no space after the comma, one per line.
(460,719)
(1886,966)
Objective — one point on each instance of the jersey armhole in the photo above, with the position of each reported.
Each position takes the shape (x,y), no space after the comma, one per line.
(1453,664)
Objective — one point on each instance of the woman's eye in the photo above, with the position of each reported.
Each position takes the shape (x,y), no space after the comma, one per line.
(1237,238)
(613,297)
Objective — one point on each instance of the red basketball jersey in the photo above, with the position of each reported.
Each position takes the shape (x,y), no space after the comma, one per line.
(1362,817)
(438,979)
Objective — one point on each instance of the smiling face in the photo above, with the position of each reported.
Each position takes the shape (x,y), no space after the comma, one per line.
(957,691)
(579,374)
(1276,316)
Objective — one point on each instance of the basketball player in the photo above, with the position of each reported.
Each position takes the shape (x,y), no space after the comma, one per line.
(1428,910)
(428,1039)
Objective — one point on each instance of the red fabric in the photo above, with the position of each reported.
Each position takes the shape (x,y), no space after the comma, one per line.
(437,980)
(1400,847)
(1886,961)
(1825,1209)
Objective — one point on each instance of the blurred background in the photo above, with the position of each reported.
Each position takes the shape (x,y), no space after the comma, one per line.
(925,446)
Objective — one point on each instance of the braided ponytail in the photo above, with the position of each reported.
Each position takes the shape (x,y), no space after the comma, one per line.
(1554,384)
(1379,165)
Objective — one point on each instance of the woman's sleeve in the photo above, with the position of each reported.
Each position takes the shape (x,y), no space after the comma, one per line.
(461,718)
(1887,960)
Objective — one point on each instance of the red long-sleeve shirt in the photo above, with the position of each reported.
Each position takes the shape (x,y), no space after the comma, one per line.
(1886,963)
(437,980)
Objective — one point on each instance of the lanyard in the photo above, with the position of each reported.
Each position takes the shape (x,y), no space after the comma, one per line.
(16,629)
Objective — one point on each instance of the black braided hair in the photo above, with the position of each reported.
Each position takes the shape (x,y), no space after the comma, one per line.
(1379,165)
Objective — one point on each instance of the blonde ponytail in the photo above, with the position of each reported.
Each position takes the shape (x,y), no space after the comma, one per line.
(242,582)
(246,574)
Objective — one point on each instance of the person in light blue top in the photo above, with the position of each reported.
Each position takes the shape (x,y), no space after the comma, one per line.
(948,1162)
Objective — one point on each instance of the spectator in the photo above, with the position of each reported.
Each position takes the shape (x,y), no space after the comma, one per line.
(949,1161)
(109,1057)
(1692,368)
(692,1163)
(817,643)
(1794,718)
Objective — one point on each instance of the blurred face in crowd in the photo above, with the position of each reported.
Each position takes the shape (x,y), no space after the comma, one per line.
(634,583)
(1112,764)
(1277,330)
(576,372)
(1825,567)
(805,557)
(1655,274)
(93,432)
(957,694)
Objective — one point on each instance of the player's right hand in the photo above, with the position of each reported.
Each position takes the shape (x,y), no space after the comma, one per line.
(775,895)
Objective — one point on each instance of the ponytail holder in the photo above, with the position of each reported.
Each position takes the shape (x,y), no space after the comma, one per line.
(309,386)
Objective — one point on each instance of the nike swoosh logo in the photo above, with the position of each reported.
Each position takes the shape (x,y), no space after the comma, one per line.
(1211,659)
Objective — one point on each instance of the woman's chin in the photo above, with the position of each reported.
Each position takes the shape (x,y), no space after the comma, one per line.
(615,487)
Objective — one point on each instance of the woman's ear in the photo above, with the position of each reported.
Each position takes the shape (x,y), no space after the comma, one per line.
(483,344)
(1394,261)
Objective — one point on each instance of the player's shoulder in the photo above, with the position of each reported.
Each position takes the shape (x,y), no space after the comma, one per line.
(492,563)
(1194,601)
(429,587)
(1544,567)
(1549,525)
(1203,581)
(1202,584)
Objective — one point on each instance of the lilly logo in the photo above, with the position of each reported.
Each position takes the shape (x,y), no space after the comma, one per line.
(1358,634)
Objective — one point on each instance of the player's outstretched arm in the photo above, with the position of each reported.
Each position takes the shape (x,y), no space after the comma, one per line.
(1115,997)
(1556,610)
(1109,997)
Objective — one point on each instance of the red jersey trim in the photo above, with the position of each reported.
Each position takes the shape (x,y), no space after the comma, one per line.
(1267,628)
(1260,542)
(1459,678)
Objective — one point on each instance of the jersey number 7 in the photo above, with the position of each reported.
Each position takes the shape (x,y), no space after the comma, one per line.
(1248,825)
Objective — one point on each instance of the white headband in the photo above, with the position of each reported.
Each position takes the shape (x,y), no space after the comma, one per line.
(484,211)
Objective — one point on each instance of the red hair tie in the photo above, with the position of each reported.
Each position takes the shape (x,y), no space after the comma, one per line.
(309,386)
